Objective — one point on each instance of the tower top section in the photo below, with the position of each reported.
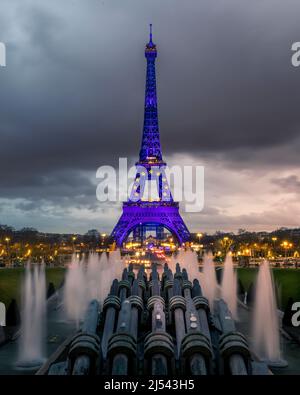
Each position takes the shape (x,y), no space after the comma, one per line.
(150,148)
(150,50)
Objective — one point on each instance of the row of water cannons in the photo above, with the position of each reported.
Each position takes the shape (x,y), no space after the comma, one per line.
(157,327)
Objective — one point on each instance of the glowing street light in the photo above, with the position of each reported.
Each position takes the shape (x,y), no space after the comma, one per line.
(73,240)
(286,245)
(199,235)
(7,239)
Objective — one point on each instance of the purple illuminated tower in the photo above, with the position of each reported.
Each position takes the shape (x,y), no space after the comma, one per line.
(151,205)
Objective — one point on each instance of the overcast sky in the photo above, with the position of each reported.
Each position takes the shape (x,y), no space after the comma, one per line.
(71,99)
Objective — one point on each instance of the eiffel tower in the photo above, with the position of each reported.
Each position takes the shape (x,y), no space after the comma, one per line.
(158,210)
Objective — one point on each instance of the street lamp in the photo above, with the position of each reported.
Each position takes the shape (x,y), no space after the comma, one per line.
(199,235)
(73,240)
(285,245)
(103,235)
(290,246)
(274,239)
(7,239)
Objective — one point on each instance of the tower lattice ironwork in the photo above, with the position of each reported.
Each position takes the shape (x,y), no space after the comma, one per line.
(150,204)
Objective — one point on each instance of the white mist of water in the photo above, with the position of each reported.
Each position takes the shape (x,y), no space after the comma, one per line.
(93,277)
(229,286)
(191,264)
(75,292)
(187,260)
(33,328)
(245,297)
(90,280)
(116,265)
(209,279)
(266,327)
(172,263)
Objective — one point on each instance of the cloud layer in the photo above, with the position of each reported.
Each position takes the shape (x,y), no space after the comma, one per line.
(72,99)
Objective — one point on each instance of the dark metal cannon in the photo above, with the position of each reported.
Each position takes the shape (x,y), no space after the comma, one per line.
(159,347)
(124,286)
(85,347)
(158,326)
(202,306)
(131,275)
(233,345)
(111,306)
(136,308)
(177,304)
(196,351)
(122,345)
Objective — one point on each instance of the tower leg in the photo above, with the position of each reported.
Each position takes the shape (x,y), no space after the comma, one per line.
(160,232)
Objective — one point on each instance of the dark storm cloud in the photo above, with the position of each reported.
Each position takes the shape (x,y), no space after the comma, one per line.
(71,96)
(289,184)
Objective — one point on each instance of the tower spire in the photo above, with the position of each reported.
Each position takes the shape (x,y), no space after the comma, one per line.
(150,148)
(150,33)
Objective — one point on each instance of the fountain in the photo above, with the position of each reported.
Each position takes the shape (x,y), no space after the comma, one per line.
(85,282)
(116,265)
(110,267)
(191,264)
(33,318)
(266,333)
(209,279)
(172,262)
(188,260)
(104,276)
(75,293)
(93,277)
(245,298)
(229,285)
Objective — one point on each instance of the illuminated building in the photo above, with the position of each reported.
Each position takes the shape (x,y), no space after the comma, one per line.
(143,212)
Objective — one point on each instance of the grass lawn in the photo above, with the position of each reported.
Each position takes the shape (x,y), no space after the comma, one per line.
(11,280)
(287,281)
